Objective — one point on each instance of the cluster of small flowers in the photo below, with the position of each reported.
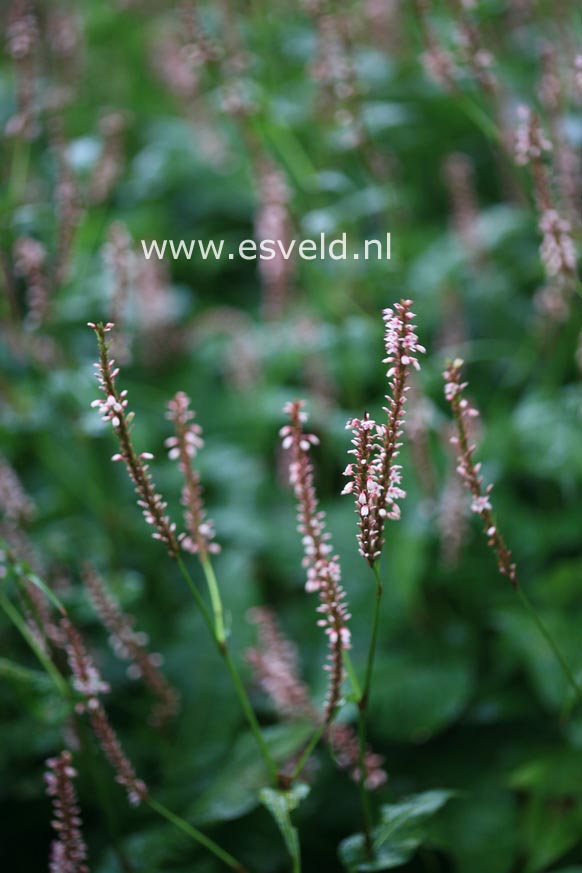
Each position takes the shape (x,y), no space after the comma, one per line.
(557,249)
(344,742)
(183,447)
(469,470)
(478,59)
(458,175)
(376,478)
(87,680)
(452,519)
(131,645)
(68,850)
(272,222)
(68,203)
(275,665)
(29,262)
(109,165)
(15,504)
(365,484)
(323,569)
(88,683)
(112,409)
(531,143)
(181,55)
(437,61)
(550,86)
(22,40)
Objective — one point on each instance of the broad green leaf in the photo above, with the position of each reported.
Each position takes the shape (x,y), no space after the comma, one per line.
(281,804)
(400,833)
(230,797)
(418,696)
(480,833)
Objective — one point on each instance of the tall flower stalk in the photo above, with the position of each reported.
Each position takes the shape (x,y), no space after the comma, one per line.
(198,539)
(83,694)
(323,569)
(68,850)
(374,480)
(130,645)
(275,663)
(469,471)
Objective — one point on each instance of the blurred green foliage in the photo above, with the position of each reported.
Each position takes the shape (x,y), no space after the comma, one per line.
(467,697)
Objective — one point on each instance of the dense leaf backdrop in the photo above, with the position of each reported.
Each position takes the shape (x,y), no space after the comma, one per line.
(467,697)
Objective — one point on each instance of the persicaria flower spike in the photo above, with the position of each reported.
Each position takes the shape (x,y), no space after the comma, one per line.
(184,447)
(323,569)
(375,475)
(531,143)
(130,645)
(87,680)
(88,683)
(469,469)
(113,409)
(275,665)
(68,850)
(15,504)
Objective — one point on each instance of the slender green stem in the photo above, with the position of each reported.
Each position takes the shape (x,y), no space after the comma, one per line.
(103,794)
(197,835)
(215,598)
(306,754)
(222,647)
(65,690)
(363,702)
(197,597)
(373,639)
(352,674)
(567,670)
(364,795)
(250,714)
(296,861)
(20,624)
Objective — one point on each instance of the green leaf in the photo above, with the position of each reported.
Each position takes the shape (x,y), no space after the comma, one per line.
(235,790)
(420,696)
(481,832)
(568,870)
(400,832)
(281,804)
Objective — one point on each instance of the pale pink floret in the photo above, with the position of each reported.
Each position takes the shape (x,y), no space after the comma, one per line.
(68,850)
(469,469)
(323,569)
(113,408)
(375,476)
(184,447)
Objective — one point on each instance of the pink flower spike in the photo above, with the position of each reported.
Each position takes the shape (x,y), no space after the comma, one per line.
(323,569)
(376,476)
(468,469)
(68,850)
(113,409)
(183,447)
